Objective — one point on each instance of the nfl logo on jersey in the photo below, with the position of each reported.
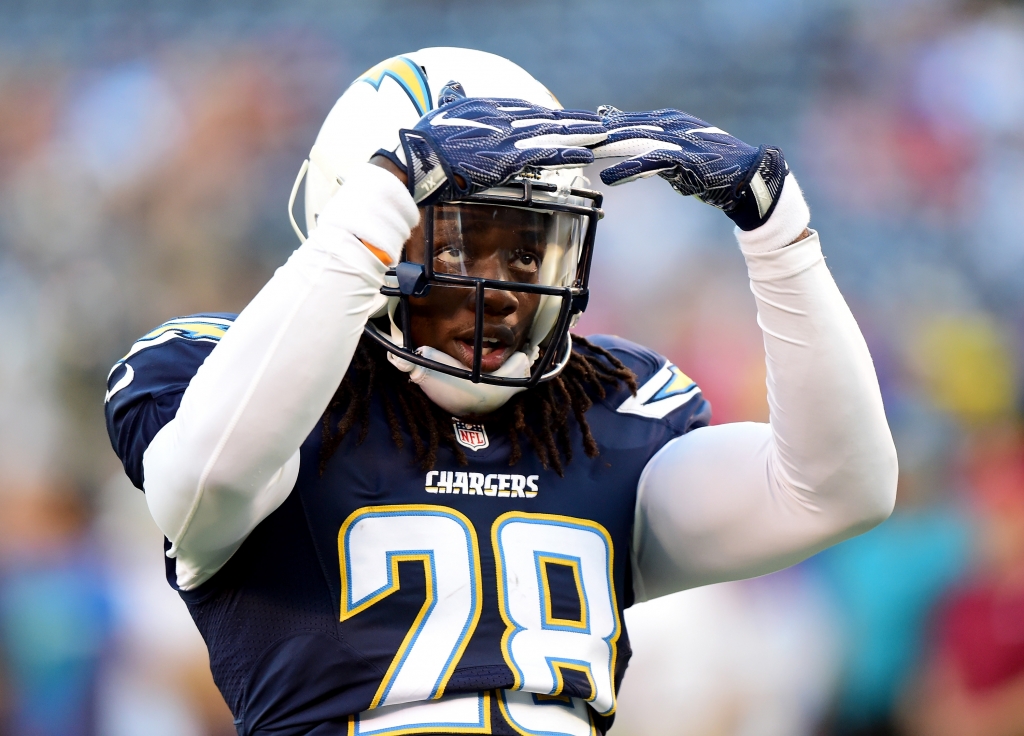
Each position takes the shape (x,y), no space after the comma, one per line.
(473,436)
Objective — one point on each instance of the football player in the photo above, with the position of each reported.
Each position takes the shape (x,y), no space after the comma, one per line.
(400,498)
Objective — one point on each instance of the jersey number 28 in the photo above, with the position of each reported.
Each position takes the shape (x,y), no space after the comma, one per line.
(542,648)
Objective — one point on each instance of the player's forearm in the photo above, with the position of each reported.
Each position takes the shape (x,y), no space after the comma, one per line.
(222,464)
(740,500)
(832,453)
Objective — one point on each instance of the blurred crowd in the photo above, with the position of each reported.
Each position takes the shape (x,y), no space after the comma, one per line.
(146,156)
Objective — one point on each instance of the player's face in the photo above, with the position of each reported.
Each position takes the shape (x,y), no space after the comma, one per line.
(500,243)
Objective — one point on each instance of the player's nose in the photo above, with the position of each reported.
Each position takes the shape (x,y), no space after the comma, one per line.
(500,302)
(496,301)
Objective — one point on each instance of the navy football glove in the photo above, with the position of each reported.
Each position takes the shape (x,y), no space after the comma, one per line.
(471,144)
(696,159)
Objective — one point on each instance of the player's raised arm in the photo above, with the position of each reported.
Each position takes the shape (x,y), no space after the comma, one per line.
(739,500)
(229,457)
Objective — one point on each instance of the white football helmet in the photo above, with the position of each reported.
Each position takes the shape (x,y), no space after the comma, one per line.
(366,119)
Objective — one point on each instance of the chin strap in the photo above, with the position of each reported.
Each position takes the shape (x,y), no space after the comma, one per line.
(459,396)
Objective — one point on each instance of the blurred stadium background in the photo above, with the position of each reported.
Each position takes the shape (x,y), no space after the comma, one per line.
(146,155)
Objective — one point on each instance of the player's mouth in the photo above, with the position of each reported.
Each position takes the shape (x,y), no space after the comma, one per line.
(497,347)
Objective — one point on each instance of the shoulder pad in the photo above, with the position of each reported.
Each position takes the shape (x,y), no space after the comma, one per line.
(144,387)
(195,327)
(663,387)
(184,338)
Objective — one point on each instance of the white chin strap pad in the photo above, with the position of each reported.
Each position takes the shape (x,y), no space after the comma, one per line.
(459,396)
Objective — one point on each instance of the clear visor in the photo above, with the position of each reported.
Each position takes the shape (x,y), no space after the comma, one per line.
(517,245)
(490,286)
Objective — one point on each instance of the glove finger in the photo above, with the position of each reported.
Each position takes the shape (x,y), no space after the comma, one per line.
(667,119)
(610,111)
(522,110)
(476,176)
(626,146)
(712,134)
(619,118)
(515,109)
(581,115)
(468,134)
(632,169)
(618,123)
(635,130)
(448,118)
(582,127)
(562,158)
(561,140)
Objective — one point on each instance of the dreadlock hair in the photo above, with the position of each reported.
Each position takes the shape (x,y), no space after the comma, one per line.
(542,414)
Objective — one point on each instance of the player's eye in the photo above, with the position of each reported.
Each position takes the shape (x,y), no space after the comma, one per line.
(524,262)
(450,256)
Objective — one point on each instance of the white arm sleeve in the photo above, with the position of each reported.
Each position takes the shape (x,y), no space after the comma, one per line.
(230,455)
(738,500)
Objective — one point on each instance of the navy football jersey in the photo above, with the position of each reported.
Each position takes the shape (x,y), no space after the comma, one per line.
(482,589)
